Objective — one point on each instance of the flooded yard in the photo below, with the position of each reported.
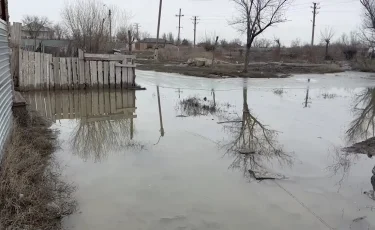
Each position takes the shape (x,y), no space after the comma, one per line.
(197,153)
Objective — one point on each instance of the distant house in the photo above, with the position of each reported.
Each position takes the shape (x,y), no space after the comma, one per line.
(150,43)
(44,33)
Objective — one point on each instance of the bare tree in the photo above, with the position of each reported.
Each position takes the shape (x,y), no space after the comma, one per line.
(58,32)
(85,22)
(327,35)
(296,43)
(369,21)
(122,34)
(34,25)
(131,39)
(144,35)
(255,16)
(262,43)
(171,38)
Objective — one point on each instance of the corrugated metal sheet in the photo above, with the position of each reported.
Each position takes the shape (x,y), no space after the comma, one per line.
(5,86)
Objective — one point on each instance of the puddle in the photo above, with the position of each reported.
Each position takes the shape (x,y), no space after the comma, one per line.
(194,153)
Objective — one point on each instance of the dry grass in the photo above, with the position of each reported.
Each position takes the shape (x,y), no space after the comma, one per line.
(194,106)
(32,195)
(279,92)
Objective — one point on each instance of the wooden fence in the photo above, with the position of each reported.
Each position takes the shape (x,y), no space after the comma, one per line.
(39,71)
(85,105)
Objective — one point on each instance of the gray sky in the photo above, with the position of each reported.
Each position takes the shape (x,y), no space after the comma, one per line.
(341,15)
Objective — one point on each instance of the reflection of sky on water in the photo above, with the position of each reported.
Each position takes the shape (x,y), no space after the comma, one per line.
(188,156)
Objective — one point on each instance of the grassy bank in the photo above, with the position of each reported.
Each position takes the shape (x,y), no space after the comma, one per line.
(32,195)
(269,70)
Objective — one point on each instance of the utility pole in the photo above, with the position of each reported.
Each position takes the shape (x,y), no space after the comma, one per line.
(313,25)
(179,26)
(110,24)
(195,28)
(156,55)
(136,26)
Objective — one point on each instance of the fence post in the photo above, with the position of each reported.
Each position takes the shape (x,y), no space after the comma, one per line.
(81,69)
(15,45)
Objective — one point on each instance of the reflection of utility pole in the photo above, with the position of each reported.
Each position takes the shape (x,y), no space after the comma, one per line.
(214,98)
(131,128)
(307,96)
(160,115)
(179,92)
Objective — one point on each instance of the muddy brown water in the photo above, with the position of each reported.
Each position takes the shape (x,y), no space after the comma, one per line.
(149,160)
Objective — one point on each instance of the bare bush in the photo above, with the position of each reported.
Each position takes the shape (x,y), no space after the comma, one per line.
(326,37)
(85,20)
(262,43)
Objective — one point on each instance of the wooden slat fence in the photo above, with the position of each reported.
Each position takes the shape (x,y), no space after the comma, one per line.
(40,71)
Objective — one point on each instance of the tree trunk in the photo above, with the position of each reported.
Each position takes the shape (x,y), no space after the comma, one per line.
(326,51)
(247,56)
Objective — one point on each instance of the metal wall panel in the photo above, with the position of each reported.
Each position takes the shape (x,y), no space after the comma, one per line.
(6,96)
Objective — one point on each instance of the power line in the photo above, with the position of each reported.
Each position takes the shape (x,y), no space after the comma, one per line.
(179,26)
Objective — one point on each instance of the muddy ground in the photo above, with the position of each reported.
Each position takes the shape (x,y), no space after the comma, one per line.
(256,70)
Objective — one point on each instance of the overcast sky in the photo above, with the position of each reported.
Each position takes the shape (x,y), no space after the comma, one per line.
(341,15)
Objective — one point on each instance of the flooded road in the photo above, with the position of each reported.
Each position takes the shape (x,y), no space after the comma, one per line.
(195,153)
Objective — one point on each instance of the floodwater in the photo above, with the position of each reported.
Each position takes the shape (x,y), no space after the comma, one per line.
(186,152)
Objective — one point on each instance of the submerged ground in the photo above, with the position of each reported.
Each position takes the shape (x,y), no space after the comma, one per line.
(183,153)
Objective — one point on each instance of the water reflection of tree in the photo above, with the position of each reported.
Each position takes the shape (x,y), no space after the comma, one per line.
(253,144)
(363,126)
(96,139)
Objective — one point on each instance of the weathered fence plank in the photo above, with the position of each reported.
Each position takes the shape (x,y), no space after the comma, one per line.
(37,71)
(124,78)
(112,78)
(31,73)
(100,74)
(106,74)
(51,73)
(87,74)
(63,73)
(56,73)
(81,67)
(118,77)
(75,76)
(70,73)
(46,65)
(94,73)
